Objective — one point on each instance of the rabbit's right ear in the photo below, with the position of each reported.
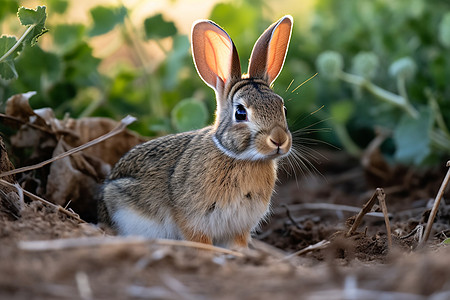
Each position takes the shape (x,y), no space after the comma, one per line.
(215,55)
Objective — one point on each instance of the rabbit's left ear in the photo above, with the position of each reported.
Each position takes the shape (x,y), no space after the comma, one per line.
(270,50)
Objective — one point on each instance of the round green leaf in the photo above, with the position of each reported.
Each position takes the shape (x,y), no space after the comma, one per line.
(189,114)
(329,64)
(404,67)
(365,64)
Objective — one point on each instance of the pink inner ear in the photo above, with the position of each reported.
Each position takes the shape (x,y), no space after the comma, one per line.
(277,50)
(218,51)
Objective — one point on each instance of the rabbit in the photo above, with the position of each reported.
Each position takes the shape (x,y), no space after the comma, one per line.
(212,185)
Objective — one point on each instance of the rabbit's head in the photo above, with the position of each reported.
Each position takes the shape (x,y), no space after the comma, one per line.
(250,117)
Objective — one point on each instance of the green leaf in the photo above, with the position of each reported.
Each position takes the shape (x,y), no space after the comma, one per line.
(412,138)
(38,68)
(81,65)
(447,241)
(7,68)
(158,28)
(106,18)
(67,36)
(189,114)
(36,18)
(58,6)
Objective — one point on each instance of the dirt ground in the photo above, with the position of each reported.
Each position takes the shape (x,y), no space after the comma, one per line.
(308,208)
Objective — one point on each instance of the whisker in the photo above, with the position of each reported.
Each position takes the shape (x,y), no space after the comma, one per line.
(304,82)
(289,86)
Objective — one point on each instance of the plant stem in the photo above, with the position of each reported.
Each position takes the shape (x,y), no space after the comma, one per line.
(346,140)
(380,93)
(17,44)
(437,112)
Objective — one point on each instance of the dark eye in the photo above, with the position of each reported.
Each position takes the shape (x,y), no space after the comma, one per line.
(285,111)
(241,113)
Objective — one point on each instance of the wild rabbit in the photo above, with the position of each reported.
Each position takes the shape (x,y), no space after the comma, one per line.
(211,185)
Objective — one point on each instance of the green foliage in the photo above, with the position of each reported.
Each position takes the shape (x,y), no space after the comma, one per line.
(7,68)
(365,64)
(381,64)
(444,30)
(35,19)
(330,64)
(189,114)
(106,18)
(404,67)
(67,36)
(396,79)
(10,47)
(412,138)
(158,28)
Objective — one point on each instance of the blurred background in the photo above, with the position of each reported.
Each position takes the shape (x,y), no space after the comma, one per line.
(383,68)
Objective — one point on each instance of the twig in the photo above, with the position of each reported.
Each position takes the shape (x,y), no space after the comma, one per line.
(382,200)
(32,125)
(61,244)
(288,213)
(325,206)
(123,123)
(435,208)
(365,209)
(418,231)
(320,245)
(34,197)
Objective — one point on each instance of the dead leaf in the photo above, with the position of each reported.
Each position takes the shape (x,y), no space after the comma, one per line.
(18,106)
(75,178)
(111,150)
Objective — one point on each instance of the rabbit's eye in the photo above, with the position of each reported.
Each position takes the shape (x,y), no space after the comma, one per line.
(240,114)
(285,111)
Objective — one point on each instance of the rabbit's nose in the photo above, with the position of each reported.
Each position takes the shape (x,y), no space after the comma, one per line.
(275,143)
(277,137)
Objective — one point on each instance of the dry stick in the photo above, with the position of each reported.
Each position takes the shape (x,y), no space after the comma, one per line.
(382,200)
(32,125)
(323,206)
(365,209)
(123,123)
(320,245)
(34,197)
(288,213)
(70,243)
(435,208)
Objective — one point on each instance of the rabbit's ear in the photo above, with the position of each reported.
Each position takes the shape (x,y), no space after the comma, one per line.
(270,50)
(215,55)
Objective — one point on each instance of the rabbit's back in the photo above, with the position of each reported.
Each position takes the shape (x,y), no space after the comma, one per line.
(139,184)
